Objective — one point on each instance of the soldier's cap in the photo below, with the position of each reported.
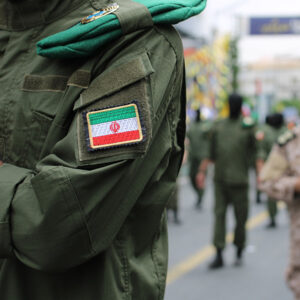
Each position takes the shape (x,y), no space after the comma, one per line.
(105,26)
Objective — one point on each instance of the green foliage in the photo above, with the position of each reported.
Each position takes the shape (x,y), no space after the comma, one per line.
(281,105)
(233,64)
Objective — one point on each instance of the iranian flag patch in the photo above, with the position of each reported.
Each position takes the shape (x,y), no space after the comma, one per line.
(115,126)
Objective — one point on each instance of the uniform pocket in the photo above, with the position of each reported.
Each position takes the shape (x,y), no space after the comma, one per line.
(39,130)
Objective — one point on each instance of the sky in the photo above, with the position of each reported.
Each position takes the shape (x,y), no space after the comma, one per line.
(223,16)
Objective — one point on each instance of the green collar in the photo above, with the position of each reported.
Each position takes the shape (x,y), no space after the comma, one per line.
(17,15)
(83,40)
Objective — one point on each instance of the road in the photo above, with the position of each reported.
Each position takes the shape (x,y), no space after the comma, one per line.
(261,277)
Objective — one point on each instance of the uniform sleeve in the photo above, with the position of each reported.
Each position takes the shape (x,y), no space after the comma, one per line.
(251,146)
(196,145)
(71,208)
(261,152)
(211,144)
(260,140)
(276,178)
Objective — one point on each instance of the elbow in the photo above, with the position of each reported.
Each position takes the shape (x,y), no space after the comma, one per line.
(54,256)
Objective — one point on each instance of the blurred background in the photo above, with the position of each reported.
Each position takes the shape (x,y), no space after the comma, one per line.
(251,47)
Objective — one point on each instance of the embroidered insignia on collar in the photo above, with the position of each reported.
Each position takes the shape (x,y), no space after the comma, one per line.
(285,138)
(100,13)
(111,127)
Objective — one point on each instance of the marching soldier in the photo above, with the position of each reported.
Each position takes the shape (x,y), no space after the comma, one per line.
(198,136)
(232,143)
(265,140)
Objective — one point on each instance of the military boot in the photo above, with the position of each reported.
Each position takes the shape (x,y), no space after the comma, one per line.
(258,200)
(199,203)
(272,224)
(177,221)
(218,261)
(239,257)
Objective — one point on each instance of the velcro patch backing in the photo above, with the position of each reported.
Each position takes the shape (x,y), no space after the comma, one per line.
(113,127)
(125,86)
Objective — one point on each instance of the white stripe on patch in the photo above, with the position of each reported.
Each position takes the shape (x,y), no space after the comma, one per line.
(104,128)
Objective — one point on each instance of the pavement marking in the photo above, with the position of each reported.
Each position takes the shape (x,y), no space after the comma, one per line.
(201,256)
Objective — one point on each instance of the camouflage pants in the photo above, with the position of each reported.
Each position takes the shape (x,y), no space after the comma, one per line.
(293,272)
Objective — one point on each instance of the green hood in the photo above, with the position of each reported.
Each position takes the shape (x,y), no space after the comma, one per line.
(83,40)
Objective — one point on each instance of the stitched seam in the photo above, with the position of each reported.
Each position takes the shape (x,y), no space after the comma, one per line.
(156,267)
(165,104)
(83,219)
(125,268)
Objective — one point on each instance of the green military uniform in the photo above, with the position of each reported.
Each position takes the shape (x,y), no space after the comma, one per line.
(232,142)
(262,130)
(82,212)
(266,137)
(198,135)
(173,204)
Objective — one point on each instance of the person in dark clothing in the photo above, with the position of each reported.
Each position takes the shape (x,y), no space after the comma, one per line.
(232,143)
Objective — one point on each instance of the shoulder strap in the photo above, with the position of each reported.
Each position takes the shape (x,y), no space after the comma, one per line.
(133,16)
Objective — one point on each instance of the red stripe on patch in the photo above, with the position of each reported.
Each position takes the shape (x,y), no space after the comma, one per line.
(117,138)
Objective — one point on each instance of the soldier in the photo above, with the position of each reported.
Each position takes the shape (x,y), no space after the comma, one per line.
(232,143)
(265,140)
(280,179)
(91,136)
(198,136)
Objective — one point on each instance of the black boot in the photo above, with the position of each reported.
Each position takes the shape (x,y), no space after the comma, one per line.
(272,224)
(176,219)
(239,257)
(218,261)
(199,203)
(258,200)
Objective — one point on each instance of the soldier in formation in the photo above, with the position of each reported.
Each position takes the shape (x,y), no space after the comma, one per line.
(232,143)
(198,137)
(266,137)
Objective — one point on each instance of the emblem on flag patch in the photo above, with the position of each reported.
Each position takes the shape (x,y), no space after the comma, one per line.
(116,126)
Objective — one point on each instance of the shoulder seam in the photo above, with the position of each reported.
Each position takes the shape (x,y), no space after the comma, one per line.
(169,41)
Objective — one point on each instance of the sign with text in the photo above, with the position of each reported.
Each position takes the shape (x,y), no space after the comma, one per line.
(274,25)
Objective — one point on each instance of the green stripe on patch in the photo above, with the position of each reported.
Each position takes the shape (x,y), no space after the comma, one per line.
(115,126)
(112,115)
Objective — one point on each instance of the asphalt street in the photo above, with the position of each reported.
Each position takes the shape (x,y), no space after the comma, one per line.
(262,275)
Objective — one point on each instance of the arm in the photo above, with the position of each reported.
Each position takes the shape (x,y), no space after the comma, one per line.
(276,178)
(201,176)
(261,155)
(297,185)
(259,165)
(71,207)
(204,165)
